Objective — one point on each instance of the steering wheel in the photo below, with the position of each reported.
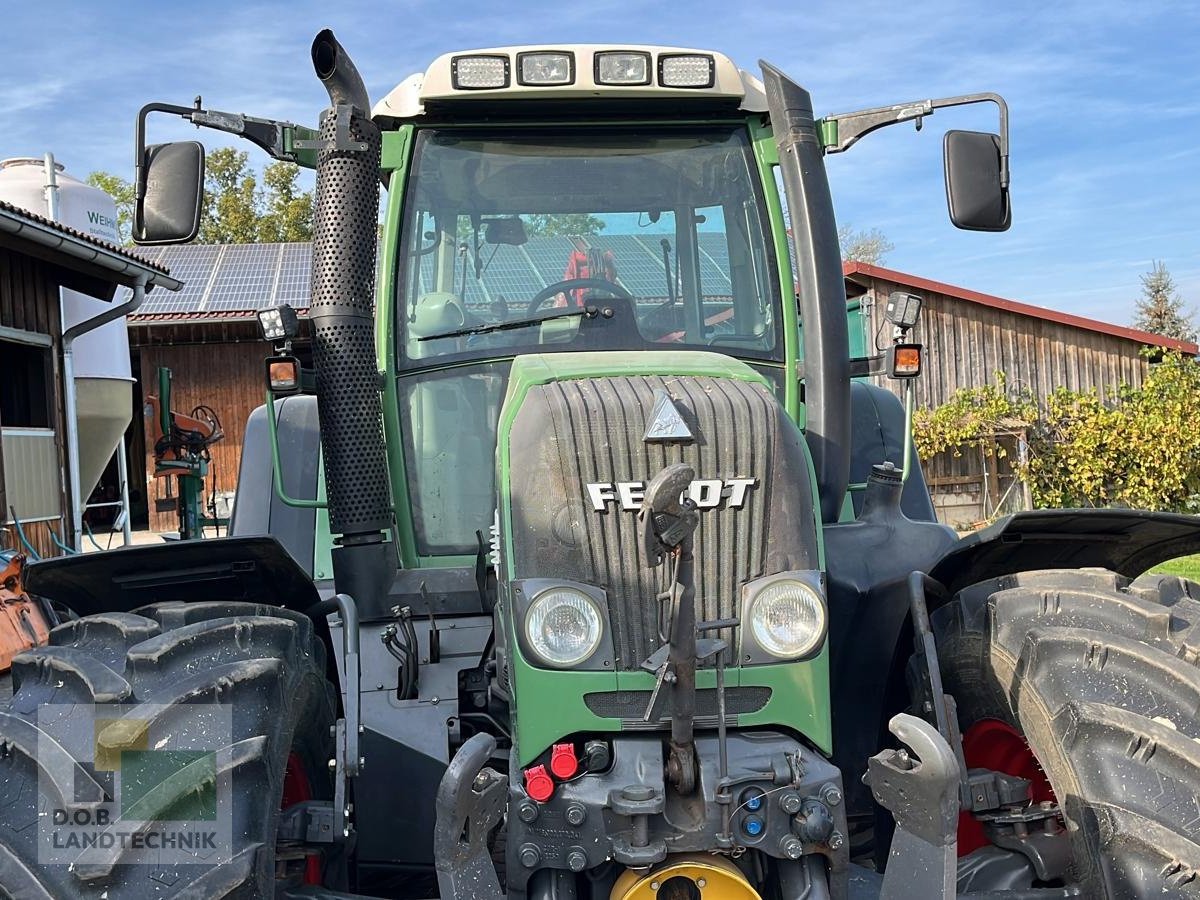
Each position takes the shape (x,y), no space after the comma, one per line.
(574,284)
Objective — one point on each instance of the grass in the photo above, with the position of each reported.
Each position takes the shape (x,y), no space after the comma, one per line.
(1185,566)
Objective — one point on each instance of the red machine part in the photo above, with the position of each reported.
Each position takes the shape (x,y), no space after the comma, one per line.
(296,789)
(538,783)
(563,761)
(22,624)
(992,744)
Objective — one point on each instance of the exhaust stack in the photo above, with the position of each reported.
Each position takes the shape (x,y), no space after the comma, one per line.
(342,311)
(822,290)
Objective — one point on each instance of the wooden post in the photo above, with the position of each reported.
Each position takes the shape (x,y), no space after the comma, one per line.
(993,478)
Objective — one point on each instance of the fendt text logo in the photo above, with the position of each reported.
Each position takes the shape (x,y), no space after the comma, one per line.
(706,493)
(153,789)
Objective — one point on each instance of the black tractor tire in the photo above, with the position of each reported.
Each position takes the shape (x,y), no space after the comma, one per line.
(262,661)
(1100,676)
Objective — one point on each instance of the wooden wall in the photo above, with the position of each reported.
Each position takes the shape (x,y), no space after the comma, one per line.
(28,296)
(966,343)
(39,536)
(29,302)
(225,376)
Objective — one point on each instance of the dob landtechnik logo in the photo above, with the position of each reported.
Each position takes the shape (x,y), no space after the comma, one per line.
(152,788)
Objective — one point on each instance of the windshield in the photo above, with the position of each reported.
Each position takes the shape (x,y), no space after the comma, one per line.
(655,238)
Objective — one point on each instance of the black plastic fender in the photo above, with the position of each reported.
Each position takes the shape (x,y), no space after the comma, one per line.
(1125,541)
(868,563)
(255,569)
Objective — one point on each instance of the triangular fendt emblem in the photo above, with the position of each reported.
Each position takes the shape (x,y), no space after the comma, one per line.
(666,423)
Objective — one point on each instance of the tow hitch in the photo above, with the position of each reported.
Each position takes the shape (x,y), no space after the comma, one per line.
(921,793)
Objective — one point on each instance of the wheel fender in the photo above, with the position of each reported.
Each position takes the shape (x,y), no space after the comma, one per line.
(1125,541)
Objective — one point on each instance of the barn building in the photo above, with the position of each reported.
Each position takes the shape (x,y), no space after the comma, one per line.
(207,335)
(38,258)
(969,336)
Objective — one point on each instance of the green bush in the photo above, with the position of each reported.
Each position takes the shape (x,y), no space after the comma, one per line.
(1137,447)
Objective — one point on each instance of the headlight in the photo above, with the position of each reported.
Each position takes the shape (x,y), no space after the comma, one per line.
(563,626)
(787,618)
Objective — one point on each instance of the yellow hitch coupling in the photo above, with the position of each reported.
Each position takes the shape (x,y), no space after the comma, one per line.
(712,877)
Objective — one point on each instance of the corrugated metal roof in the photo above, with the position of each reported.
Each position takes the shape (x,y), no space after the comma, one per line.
(140,257)
(1025,309)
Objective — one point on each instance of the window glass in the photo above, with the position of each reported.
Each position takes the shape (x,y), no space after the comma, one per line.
(623,240)
(24,386)
(450,421)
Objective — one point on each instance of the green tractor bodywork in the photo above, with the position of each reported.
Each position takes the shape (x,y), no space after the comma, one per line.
(620,575)
(518,441)
(799,696)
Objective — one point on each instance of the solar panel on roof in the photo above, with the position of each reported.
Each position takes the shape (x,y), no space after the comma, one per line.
(292,279)
(192,264)
(248,277)
(243,279)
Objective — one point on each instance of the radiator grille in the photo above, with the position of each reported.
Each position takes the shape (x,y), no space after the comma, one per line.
(572,433)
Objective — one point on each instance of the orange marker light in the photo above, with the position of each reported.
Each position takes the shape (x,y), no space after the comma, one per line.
(905,360)
(283,374)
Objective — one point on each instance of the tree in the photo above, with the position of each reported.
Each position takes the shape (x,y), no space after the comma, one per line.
(870,246)
(1160,309)
(121,192)
(549,225)
(230,214)
(288,211)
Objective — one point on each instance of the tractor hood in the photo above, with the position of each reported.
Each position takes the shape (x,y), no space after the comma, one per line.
(582,434)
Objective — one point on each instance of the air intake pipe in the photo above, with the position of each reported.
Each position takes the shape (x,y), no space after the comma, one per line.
(342,312)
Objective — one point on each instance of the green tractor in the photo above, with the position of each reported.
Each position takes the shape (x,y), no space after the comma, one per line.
(617,587)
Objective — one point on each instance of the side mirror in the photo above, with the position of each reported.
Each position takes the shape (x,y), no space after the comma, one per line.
(170,191)
(975,191)
(283,375)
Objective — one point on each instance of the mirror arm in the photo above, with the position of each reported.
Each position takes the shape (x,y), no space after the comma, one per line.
(841,132)
(139,143)
(281,140)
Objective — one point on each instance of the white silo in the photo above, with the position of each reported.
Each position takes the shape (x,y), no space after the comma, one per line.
(104,388)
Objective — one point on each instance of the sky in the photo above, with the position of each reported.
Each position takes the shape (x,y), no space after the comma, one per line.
(1104,101)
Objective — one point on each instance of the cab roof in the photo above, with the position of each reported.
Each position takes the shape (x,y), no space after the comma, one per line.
(437,85)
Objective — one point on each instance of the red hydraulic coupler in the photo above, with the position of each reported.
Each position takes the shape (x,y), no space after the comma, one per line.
(563,762)
(538,783)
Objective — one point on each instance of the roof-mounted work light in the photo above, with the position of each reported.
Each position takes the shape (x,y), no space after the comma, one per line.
(479,73)
(686,70)
(545,68)
(622,67)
